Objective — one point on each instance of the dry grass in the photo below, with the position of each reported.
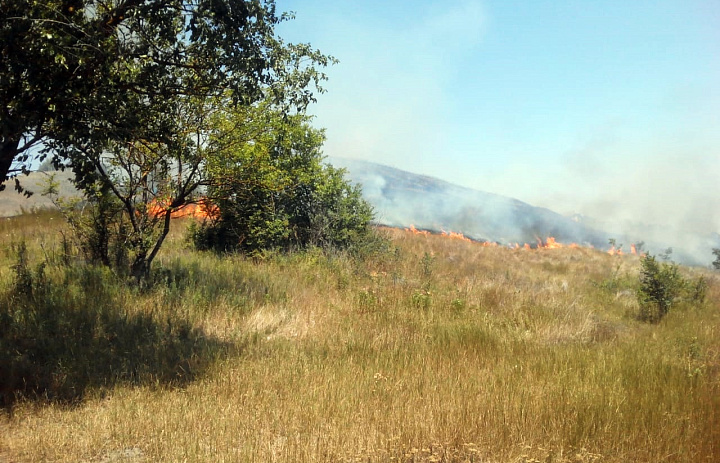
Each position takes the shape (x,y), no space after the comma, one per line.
(439,351)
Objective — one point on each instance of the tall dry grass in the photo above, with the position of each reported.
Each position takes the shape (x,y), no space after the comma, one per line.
(436,350)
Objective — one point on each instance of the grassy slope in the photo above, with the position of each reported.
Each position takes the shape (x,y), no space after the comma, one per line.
(440,351)
(12,203)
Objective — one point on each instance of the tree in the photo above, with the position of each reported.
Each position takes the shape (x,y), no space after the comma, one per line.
(126,92)
(716,262)
(272,190)
(79,73)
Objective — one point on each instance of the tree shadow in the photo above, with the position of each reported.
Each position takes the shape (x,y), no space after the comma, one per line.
(61,340)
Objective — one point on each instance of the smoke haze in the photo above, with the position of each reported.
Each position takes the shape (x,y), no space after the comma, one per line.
(402,199)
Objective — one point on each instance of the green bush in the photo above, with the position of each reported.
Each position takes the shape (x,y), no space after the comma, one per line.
(274,192)
(662,286)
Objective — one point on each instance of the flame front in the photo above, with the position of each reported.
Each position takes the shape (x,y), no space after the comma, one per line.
(456,236)
(203,209)
(549,243)
(415,231)
(552,243)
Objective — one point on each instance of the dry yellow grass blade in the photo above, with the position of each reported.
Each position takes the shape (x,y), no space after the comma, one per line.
(437,350)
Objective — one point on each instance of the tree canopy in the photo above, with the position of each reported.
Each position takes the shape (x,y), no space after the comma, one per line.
(129,93)
(77,75)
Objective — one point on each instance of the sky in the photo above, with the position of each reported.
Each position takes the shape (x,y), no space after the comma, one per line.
(605,108)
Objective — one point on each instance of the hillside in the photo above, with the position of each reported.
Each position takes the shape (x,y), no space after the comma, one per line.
(435,349)
(402,199)
(12,203)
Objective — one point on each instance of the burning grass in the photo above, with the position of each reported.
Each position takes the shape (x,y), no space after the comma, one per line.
(439,350)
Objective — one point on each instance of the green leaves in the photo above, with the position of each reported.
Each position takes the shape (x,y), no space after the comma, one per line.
(115,69)
(662,286)
(272,189)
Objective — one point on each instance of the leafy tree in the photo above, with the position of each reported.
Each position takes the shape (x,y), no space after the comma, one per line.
(716,262)
(272,190)
(147,180)
(80,74)
(127,92)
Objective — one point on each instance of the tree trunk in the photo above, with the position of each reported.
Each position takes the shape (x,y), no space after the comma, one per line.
(8,151)
(140,269)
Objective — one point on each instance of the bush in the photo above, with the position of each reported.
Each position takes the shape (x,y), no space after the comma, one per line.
(662,285)
(275,193)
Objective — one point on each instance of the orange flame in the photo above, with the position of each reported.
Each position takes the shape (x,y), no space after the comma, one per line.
(416,231)
(613,251)
(549,243)
(203,209)
(456,236)
(552,243)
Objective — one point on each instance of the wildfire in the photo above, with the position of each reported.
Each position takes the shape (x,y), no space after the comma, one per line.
(456,236)
(552,243)
(200,210)
(549,242)
(415,231)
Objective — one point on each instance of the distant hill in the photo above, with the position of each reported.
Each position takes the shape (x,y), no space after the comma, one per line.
(402,199)
(12,203)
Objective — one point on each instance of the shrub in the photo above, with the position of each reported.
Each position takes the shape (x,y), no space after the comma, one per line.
(659,285)
(662,285)
(276,193)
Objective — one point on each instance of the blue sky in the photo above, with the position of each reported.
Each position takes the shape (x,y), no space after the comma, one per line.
(607,108)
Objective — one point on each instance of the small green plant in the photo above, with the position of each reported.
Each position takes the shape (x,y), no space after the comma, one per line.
(27,283)
(458,304)
(368,300)
(615,282)
(23,278)
(697,290)
(426,264)
(661,284)
(422,299)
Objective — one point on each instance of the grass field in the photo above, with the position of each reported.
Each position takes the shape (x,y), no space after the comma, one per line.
(434,350)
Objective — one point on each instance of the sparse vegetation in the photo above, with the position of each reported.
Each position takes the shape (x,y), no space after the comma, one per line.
(435,350)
